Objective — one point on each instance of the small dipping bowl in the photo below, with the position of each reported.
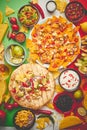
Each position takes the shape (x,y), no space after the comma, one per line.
(24,119)
(74,11)
(10,57)
(20,37)
(64,102)
(28,16)
(69,80)
(51,6)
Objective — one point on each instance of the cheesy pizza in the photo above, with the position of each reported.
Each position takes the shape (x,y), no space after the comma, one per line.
(31,85)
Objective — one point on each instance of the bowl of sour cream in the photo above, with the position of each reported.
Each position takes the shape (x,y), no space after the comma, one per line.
(69,79)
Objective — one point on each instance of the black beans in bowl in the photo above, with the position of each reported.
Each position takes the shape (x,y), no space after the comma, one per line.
(64,102)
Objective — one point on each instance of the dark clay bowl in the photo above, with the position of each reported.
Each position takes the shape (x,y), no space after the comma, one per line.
(75,11)
(28,15)
(30,123)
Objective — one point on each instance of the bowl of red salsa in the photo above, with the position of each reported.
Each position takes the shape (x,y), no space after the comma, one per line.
(74,11)
(20,37)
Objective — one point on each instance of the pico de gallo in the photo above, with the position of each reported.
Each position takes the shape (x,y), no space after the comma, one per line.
(28,15)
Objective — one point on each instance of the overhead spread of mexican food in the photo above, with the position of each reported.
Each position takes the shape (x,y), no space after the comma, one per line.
(43,65)
(31,86)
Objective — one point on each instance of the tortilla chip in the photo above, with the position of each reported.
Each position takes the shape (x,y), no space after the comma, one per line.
(23,29)
(3,29)
(8,11)
(35,1)
(1,52)
(61,4)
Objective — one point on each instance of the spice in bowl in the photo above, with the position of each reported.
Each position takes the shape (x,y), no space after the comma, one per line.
(69,80)
(51,6)
(20,37)
(24,119)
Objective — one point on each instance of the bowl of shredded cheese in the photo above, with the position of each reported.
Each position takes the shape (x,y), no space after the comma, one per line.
(24,119)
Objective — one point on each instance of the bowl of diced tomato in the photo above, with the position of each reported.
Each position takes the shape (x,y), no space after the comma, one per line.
(28,15)
(74,11)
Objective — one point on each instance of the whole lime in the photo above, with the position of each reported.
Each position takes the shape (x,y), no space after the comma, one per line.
(18,51)
(78,94)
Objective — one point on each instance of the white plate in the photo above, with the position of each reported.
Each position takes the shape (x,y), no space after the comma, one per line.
(41,22)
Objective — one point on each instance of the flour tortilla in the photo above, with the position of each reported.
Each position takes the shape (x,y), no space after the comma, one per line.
(42,97)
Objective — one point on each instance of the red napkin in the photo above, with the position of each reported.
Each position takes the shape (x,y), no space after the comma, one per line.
(84,3)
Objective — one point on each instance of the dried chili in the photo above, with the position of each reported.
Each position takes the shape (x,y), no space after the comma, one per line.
(39,9)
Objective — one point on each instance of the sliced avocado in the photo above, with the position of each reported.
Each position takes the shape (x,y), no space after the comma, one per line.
(36,85)
(44,81)
(20,94)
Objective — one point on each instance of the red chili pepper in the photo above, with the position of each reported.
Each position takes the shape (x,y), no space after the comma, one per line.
(17,98)
(15,105)
(32,84)
(15,27)
(55,65)
(76,39)
(53,43)
(34,35)
(71,76)
(11,35)
(2,68)
(8,106)
(27,97)
(24,84)
(47,112)
(13,90)
(43,88)
(39,9)
(64,77)
(12,20)
(2,117)
(67,85)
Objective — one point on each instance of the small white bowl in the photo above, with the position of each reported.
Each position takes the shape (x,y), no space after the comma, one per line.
(8,55)
(69,80)
(51,6)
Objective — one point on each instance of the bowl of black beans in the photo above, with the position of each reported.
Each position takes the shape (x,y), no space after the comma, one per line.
(64,102)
